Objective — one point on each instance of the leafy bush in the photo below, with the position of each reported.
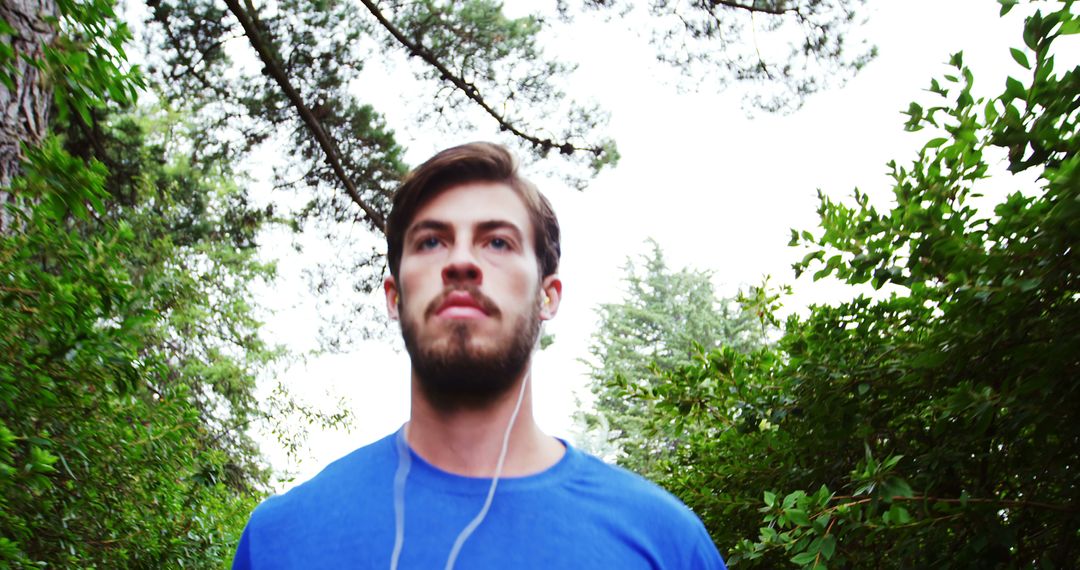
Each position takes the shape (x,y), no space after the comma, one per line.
(935,426)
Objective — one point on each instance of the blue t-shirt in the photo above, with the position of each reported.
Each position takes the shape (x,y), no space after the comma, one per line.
(580,513)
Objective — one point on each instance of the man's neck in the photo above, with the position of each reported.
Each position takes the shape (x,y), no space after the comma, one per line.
(468,441)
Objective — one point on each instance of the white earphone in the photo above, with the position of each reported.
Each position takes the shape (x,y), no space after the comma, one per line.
(404,464)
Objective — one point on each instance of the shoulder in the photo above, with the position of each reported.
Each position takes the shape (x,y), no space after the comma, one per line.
(647,512)
(628,490)
(317,523)
(335,485)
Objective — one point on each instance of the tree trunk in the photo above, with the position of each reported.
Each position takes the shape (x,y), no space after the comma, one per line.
(23,110)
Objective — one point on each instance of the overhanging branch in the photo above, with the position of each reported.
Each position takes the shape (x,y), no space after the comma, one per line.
(753,8)
(470,90)
(314,126)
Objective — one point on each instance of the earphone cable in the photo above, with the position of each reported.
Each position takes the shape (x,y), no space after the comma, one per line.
(468,530)
(404,464)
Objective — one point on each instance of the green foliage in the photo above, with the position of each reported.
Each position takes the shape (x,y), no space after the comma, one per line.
(933,425)
(130,343)
(476,66)
(88,65)
(130,358)
(666,320)
(96,467)
(782,51)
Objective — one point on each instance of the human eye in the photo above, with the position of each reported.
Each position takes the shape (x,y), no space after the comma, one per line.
(427,242)
(500,243)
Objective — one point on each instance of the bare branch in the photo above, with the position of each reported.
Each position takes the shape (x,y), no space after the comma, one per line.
(1067,508)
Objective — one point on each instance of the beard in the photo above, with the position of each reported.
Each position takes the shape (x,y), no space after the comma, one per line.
(454,373)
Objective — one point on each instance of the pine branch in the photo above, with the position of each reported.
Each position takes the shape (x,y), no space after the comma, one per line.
(326,142)
(755,7)
(470,90)
(190,66)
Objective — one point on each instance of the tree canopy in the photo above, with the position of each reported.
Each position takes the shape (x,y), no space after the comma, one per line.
(129,238)
(934,423)
(473,64)
(130,357)
(131,345)
(909,428)
(667,319)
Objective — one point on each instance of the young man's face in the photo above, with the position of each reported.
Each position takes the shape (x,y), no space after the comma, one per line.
(470,297)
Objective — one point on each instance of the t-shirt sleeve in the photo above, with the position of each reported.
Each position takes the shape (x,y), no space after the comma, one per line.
(706,556)
(242,558)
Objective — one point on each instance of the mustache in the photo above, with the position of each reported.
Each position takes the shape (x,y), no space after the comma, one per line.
(483,301)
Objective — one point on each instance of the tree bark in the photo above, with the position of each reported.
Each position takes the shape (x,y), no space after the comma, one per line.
(24,110)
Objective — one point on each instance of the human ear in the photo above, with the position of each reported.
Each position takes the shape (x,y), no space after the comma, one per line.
(392,297)
(551,291)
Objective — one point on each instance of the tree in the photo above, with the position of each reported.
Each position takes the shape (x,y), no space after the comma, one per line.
(24,100)
(666,319)
(131,348)
(130,345)
(782,50)
(40,67)
(934,426)
(119,394)
(470,59)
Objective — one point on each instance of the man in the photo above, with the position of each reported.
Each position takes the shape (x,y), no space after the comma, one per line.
(470,481)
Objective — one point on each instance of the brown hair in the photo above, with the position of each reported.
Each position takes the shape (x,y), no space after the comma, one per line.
(473,162)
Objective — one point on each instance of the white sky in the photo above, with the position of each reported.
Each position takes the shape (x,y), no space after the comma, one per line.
(717,190)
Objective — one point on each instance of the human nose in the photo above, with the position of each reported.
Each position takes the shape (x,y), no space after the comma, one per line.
(461,268)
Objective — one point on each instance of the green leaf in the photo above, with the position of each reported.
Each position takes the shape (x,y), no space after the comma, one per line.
(1029,284)
(900,515)
(1020,57)
(804,558)
(798,516)
(812,256)
(929,359)
(1031,32)
(897,487)
(768,533)
(770,498)
(991,112)
(828,546)
(915,112)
